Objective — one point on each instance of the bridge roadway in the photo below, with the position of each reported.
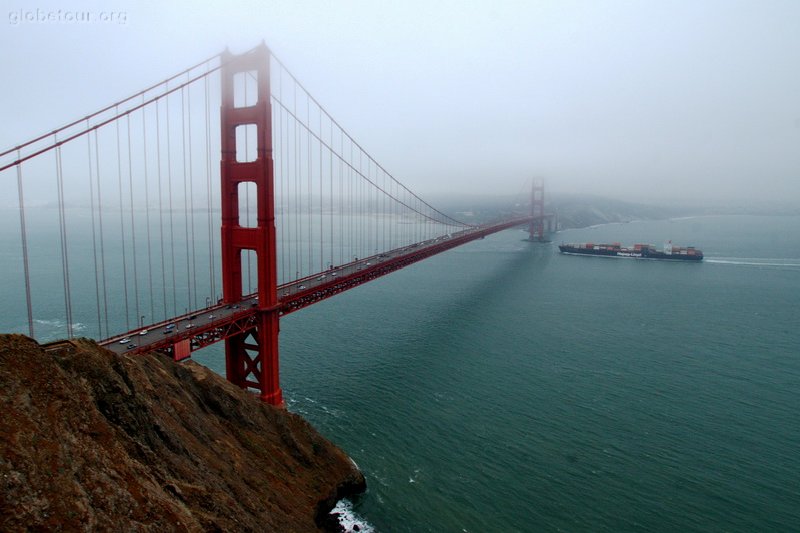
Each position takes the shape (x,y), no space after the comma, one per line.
(218,322)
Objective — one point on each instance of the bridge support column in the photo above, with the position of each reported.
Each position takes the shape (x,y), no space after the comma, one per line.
(251,357)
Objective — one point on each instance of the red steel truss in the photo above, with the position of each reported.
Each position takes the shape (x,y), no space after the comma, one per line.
(239,320)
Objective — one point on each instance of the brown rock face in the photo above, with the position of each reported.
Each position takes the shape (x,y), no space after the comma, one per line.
(91,441)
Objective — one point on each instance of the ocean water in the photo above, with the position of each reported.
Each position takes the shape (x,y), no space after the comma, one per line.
(502,386)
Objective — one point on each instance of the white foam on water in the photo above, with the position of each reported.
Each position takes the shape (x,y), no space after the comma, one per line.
(57,323)
(349,520)
(748,261)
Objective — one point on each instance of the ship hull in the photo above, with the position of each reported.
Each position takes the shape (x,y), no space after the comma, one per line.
(627,253)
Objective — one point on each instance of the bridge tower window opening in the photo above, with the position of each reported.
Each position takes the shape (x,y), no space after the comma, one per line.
(247,194)
(246,141)
(245,88)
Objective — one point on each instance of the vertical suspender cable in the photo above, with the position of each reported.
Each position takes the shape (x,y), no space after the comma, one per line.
(24,241)
(340,211)
(147,215)
(186,201)
(161,211)
(321,231)
(359,199)
(174,288)
(296,141)
(310,190)
(191,190)
(94,235)
(284,188)
(383,212)
(358,220)
(331,197)
(211,266)
(357,182)
(361,195)
(102,236)
(62,223)
(133,225)
(388,242)
(371,220)
(122,229)
(284,195)
(350,201)
(348,196)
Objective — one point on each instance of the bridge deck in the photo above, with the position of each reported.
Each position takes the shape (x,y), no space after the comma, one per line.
(218,322)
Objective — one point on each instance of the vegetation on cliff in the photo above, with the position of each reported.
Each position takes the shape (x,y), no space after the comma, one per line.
(95,441)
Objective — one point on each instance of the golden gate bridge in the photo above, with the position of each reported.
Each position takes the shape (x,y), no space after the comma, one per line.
(305,212)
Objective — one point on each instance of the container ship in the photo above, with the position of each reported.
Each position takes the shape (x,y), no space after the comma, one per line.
(638,251)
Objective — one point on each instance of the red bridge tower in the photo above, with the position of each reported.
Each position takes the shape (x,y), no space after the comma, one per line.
(251,357)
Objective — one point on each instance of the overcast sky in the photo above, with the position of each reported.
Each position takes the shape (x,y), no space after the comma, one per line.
(644,101)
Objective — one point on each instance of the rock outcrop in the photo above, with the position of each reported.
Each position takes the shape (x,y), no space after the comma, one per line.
(92,441)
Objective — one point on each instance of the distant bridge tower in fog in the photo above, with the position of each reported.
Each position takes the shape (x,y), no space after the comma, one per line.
(539,219)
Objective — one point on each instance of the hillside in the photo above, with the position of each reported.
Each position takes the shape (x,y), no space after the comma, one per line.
(94,441)
(574,210)
(580,211)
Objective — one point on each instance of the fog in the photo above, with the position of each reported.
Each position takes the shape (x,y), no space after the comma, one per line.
(689,102)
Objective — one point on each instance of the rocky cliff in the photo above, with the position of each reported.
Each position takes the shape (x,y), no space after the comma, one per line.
(94,441)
